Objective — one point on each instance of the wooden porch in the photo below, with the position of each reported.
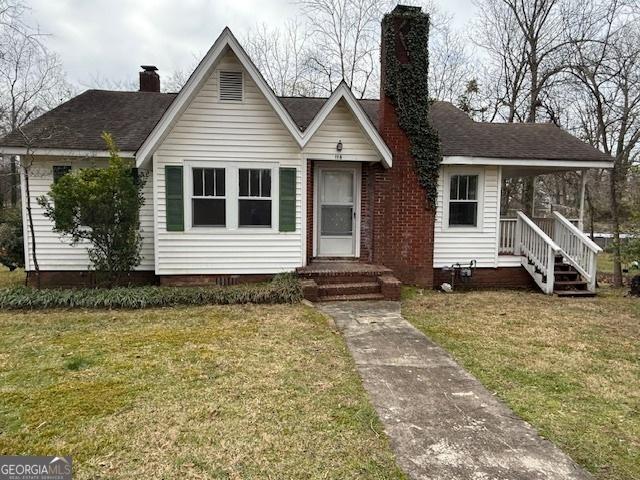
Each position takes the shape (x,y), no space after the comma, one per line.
(557,254)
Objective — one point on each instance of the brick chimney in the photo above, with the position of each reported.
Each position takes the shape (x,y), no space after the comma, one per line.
(403,224)
(149,79)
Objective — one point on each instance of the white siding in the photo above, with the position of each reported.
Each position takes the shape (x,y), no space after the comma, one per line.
(210,132)
(341,125)
(56,253)
(453,245)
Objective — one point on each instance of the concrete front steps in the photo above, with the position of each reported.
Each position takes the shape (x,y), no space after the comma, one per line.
(331,280)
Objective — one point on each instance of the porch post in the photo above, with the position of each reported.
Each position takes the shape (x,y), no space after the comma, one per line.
(583,185)
(533,197)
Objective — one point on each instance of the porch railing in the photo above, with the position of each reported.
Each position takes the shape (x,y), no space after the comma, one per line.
(577,249)
(539,251)
(508,231)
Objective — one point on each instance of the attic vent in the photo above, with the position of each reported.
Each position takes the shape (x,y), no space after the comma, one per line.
(231,86)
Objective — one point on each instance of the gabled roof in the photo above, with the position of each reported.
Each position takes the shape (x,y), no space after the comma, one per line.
(344,92)
(205,68)
(131,116)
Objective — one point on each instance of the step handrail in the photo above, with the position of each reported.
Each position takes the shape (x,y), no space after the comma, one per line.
(578,249)
(540,251)
(547,239)
(593,246)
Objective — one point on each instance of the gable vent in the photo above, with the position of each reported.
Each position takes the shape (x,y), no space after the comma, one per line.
(231,86)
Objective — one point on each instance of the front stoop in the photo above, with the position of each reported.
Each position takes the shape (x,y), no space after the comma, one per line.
(330,281)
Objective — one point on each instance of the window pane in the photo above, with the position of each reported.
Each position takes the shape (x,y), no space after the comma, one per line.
(266,183)
(337,186)
(208,182)
(453,194)
(197,182)
(220,184)
(462,187)
(209,212)
(244,182)
(254,190)
(473,187)
(336,220)
(254,213)
(463,213)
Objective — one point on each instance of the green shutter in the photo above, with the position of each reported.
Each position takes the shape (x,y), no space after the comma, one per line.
(287,199)
(174,198)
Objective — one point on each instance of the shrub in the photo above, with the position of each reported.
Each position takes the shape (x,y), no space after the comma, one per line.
(283,288)
(11,238)
(101,206)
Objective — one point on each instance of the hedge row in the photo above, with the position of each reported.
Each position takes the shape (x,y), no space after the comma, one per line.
(282,289)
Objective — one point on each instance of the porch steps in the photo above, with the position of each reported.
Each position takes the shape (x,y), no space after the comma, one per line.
(568,282)
(331,281)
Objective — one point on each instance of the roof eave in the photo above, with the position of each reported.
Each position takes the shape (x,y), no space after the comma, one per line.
(62,152)
(524,162)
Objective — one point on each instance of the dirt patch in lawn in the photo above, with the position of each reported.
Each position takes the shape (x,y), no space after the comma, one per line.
(569,367)
(216,392)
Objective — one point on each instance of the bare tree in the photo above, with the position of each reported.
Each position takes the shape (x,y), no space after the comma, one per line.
(31,80)
(281,56)
(450,66)
(607,71)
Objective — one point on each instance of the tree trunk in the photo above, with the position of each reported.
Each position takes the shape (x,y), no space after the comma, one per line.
(615,223)
(31,230)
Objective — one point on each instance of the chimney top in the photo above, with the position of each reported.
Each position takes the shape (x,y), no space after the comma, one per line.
(149,79)
(406,8)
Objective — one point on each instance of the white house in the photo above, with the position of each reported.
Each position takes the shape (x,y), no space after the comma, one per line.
(243,184)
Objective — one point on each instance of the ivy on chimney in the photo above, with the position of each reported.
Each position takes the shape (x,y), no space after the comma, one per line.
(406,33)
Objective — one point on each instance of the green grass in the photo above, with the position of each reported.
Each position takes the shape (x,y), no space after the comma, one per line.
(569,367)
(193,392)
(11,279)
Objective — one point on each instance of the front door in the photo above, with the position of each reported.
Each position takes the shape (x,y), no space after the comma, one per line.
(337,198)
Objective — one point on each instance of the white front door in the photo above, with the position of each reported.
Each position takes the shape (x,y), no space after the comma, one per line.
(337,215)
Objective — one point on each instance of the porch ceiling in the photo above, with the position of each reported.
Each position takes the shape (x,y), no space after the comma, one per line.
(522,171)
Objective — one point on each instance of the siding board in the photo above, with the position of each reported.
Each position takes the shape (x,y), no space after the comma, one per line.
(451,246)
(56,253)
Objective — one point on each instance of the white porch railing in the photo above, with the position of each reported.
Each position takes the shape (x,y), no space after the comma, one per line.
(508,231)
(507,236)
(577,249)
(539,252)
(540,242)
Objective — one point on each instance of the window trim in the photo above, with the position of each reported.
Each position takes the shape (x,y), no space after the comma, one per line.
(193,197)
(242,92)
(231,195)
(450,172)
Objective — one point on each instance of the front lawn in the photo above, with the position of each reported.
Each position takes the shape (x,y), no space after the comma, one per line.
(569,367)
(188,392)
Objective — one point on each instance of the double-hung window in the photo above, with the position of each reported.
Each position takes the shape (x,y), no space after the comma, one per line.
(463,201)
(208,199)
(254,202)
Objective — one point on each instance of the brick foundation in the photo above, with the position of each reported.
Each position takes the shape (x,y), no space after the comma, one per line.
(488,278)
(85,279)
(205,280)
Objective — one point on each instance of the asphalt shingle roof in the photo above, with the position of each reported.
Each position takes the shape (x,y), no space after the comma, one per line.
(131,116)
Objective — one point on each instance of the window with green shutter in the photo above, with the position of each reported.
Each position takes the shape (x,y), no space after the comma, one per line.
(174,192)
(287,199)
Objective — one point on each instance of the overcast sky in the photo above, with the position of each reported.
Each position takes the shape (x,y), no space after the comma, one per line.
(112,38)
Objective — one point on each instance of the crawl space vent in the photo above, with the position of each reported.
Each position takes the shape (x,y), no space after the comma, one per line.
(231,86)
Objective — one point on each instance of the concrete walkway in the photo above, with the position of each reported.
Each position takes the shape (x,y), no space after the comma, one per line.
(443,424)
